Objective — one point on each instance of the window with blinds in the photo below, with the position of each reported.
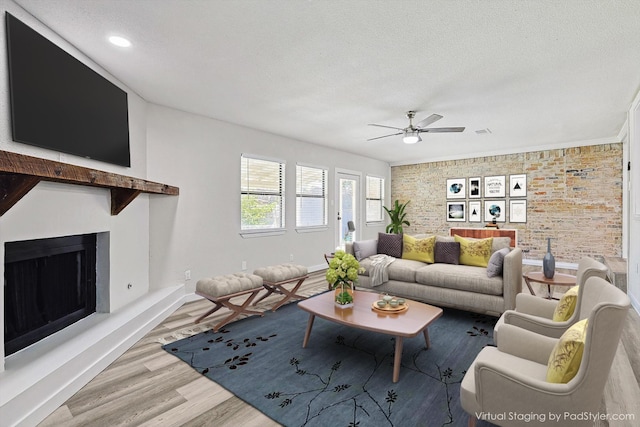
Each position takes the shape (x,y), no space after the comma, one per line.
(311,196)
(374,199)
(261,194)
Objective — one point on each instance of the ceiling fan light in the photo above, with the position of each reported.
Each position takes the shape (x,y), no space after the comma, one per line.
(411,137)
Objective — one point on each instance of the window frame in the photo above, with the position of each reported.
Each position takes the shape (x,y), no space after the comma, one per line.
(381,199)
(324,197)
(281,193)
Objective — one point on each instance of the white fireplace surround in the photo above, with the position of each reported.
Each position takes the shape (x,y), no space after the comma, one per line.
(42,376)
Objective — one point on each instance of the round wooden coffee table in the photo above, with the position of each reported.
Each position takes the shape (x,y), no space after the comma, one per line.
(558,279)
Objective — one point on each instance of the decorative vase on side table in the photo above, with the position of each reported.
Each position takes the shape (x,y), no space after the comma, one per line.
(549,262)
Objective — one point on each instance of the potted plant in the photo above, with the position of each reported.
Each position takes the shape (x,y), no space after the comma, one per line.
(397,215)
(342,275)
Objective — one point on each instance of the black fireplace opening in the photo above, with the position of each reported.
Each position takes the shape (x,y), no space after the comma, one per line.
(49,284)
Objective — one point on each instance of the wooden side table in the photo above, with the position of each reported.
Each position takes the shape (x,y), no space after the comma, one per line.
(558,279)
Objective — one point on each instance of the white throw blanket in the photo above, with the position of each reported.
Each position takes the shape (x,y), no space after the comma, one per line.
(379,264)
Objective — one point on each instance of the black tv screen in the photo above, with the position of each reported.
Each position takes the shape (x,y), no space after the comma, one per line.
(59,103)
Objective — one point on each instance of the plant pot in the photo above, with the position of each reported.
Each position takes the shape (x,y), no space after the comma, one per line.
(343,296)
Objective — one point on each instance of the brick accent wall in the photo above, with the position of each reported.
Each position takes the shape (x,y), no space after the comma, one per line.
(574,195)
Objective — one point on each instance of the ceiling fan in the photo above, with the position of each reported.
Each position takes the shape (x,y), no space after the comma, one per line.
(412,133)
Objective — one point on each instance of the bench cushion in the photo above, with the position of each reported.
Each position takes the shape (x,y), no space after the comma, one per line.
(280,273)
(228,284)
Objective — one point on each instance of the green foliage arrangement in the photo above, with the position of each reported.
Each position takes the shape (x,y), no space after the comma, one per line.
(343,268)
(397,215)
(342,274)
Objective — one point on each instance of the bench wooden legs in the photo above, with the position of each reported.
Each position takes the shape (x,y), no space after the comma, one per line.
(235,309)
(278,288)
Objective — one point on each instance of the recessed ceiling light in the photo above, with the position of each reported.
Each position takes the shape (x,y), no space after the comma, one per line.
(119,41)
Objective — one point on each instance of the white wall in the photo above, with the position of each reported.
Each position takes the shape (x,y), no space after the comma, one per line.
(199,230)
(53,209)
(633,261)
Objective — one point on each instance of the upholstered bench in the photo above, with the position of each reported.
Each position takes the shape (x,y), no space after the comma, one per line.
(276,276)
(221,289)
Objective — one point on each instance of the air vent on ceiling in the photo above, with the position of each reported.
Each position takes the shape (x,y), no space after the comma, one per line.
(483,131)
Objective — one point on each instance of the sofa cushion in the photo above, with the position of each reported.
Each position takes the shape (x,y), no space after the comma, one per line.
(499,243)
(496,262)
(445,239)
(462,277)
(474,252)
(447,252)
(418,249)
(365,248)
(390,244)
(400,269)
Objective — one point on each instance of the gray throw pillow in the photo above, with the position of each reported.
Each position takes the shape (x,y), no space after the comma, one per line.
(365,248)
(390,244)
(447,252)
(496,262)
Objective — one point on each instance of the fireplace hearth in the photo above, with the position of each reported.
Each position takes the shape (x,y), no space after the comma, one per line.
(49,284)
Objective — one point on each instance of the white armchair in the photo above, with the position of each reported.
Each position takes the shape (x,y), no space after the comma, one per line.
(507,385)
(536,314)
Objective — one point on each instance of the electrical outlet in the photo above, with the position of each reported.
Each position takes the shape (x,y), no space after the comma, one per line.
(290,257)
(244,265)
(187,275)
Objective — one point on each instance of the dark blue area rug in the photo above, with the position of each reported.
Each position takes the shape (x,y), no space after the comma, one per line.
(344,376)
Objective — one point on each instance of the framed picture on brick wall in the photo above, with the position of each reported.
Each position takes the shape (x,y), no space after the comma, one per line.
(517,210)
(475,186)
(494,186)
(518,185)
(456,211)
(495,209)
(456,188)
(475,211)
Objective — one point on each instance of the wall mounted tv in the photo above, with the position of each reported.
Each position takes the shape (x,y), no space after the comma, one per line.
(59,103)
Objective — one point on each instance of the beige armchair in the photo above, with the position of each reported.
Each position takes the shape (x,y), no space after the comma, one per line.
(507,385)
(535,313)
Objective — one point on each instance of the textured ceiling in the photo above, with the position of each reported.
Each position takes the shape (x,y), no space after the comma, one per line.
(537,73)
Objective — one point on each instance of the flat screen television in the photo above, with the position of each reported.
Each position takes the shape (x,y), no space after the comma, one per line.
(59,103)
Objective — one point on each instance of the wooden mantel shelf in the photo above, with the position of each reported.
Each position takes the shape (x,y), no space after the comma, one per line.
(20,173)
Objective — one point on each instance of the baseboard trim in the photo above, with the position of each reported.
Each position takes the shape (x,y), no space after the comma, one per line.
(39,379)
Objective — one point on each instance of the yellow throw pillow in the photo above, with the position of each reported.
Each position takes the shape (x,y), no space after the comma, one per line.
(418,249)
(566,356)
(566,306)
(474,252)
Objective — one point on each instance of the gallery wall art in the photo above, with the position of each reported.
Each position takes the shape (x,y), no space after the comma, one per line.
(493,192)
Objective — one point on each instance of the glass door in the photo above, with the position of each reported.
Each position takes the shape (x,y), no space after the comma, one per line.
(347,207)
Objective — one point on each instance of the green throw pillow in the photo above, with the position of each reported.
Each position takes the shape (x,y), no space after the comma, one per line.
(565,359)
(474,252)
(418,249)
(566,306)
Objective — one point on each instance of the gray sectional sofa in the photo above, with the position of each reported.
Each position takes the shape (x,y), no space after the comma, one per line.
(447,285)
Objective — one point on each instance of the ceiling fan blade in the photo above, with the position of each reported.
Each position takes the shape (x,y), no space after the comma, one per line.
(441,130)
(384,126)
(431,119)
(379,137)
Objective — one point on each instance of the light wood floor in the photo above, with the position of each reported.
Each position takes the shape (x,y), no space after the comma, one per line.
(148,387)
